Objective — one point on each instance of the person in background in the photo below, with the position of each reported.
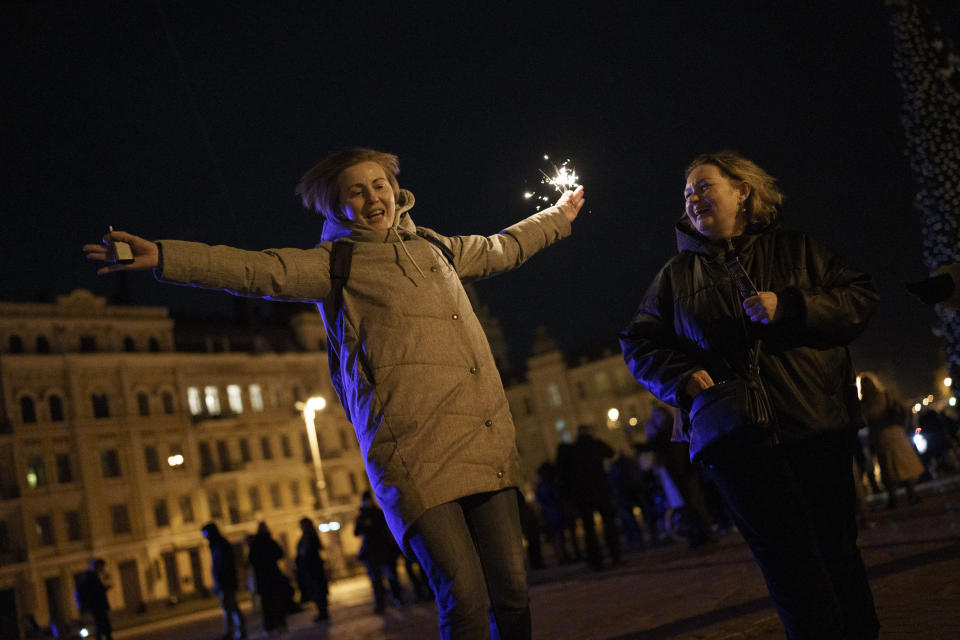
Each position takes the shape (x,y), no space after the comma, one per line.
(378,553)
(411,365)
(311,572)
(749,307)
(92,599)
(885,416)
(225,583)
(273,586)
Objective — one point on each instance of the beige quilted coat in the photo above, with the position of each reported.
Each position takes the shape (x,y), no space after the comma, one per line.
(420,384)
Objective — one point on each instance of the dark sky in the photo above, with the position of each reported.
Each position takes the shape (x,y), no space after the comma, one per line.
(195,120)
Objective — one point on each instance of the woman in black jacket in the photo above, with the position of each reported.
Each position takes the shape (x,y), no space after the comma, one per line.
(758,319)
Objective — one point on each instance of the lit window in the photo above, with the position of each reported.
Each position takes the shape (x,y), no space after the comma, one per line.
(36,473)
(553,395)
(235,398)
(193,400)
(211,398)
(256,397)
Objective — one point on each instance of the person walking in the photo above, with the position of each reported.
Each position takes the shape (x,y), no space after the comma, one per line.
(91,596)
(276,594)
(311,572)
(745,331)
(225,583)
(411,365)
(378,553)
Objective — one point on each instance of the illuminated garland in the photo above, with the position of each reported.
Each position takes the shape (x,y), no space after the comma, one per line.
(929,74)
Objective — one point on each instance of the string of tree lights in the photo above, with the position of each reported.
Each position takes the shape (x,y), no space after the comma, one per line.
(928,70)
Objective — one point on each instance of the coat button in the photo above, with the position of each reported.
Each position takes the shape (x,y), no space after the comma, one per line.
(455,316)
(473,369)
(434,269)
(488,423)
(499,474)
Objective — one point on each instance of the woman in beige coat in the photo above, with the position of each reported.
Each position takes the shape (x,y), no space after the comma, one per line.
(412,366)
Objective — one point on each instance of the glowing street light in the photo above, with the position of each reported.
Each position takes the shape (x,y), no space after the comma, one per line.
(947,382)
(309,410)
(175,460)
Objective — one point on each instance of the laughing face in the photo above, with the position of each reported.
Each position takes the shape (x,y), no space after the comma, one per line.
(713,202)
(366,195)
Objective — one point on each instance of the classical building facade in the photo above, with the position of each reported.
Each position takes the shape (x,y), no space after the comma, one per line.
(113,444)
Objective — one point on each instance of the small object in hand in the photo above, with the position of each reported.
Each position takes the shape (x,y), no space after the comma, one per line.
(121,252)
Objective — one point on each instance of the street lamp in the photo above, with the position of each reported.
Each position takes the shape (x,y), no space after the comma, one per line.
(309,410)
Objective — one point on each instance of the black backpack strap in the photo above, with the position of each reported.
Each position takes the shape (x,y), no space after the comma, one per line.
(435,241)
(341,255)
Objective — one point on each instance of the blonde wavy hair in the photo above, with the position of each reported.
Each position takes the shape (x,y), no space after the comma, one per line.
(762,206)
(318,188)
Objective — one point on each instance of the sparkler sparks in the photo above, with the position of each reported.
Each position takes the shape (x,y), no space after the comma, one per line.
(564,178)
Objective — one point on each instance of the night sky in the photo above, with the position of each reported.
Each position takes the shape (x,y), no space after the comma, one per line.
(195,120)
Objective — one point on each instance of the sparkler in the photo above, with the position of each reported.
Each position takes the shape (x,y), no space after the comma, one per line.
(564,178)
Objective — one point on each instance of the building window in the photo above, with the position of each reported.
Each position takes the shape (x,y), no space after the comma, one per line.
(120,518)
(160,513)
(44,526)
(256,397)
(213,502)
(295,492)
(186,509)
(43,345)
(285,446)
(152,458)
(167,401)
(143,404)
(265,448)
(553,396)
(354,485)
(36,472)
(245,450)
(153,345)
(101,405)
(235,398)
(602,382)
(305,447)
(55,405)
(129,345)
(233,507)
(211,399)
(344,442)
(255,503)
(297,394)
(206,459)
(16,344)
(110,463)
(28,410)
(223,453)
(64,468)
(194,402)
(88,344)
(581,389)
(275,498)
(74,528)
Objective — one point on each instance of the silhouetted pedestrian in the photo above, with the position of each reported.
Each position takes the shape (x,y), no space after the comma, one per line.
(311,572)
(273,586)
(225,583)
(91,596)
(378,552)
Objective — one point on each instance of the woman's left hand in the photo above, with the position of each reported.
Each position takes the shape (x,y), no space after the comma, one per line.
(570,203)
(763,307)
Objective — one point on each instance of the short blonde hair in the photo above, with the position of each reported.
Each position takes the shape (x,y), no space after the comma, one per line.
(318,188)
(763,204)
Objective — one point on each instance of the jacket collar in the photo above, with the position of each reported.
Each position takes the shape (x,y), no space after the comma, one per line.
(338,228)
(691,241)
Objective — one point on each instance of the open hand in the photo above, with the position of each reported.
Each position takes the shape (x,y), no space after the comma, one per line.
(146,254)
(570,203)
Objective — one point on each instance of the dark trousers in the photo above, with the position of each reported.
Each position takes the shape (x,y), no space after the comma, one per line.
(796,507)
(101,624)
(377,571)
(611,534)
(233,622)
(472,551)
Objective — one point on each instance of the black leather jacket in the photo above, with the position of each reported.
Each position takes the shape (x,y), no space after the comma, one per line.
(692,318)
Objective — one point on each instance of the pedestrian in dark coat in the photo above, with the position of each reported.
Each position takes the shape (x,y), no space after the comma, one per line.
(311,572)
(225,583)
(586,479)
(273,586)
(92,599)
(738,278)
(378,552)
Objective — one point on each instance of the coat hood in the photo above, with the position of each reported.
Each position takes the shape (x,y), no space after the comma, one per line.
(337,228)
(692,241)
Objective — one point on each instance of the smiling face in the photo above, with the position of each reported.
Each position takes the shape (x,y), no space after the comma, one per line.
(366,195)
(712,202)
